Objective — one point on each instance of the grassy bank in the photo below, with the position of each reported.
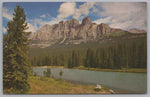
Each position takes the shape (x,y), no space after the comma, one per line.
(131,70)
(45,85)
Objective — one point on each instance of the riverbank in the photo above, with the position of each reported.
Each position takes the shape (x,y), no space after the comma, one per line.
(130,70)
(46,85)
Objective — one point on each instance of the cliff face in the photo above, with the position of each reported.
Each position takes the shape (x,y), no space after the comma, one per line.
(72,31)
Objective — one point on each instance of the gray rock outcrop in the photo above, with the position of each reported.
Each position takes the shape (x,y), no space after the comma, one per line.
(73,30)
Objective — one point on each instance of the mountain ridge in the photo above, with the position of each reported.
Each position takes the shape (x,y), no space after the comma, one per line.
(71,29)
(72,32)
(135,30)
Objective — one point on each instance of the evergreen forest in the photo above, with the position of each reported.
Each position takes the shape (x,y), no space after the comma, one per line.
(130,53)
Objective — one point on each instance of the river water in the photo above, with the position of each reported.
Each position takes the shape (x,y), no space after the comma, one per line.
(118,81)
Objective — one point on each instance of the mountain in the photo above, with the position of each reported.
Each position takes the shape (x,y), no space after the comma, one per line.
(71,32)
(134,30)
(72,29)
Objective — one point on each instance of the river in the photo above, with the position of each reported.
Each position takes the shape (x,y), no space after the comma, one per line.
(118,81)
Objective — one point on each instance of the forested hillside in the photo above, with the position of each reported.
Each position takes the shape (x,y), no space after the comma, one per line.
(117,52)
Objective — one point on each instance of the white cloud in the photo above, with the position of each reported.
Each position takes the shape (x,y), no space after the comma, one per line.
(103,20)
(6,14)
(69,9)
(117,15)
(55,21)
(121,10)
(123,25)
(83,9)
(32,28)
(40,22)
(66,10)
(43,16)
(95,10)
(124,15)
(33,25)
(4,30)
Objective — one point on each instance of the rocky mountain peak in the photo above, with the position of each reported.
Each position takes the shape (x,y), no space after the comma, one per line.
(104,25)
(72,23)
(86,21)
(61,22)
(45,27)
(103,28)
(75,21)
(71,31)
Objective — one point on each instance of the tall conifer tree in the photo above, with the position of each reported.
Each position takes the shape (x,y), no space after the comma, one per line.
(15,49)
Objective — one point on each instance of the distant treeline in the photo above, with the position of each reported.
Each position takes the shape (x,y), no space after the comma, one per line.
(113,56)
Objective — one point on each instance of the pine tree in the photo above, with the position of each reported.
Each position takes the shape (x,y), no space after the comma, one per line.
(98,58)
(87,59)
(15,47)
(70,63)
(75,59)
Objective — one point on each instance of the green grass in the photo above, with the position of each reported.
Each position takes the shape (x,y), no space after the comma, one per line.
(117,34)
(45,85)
(131,70)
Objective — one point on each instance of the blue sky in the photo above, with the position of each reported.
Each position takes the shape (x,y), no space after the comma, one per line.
(122,15)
